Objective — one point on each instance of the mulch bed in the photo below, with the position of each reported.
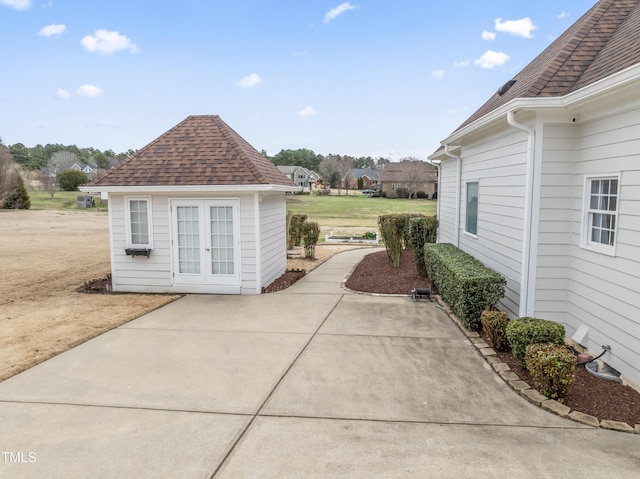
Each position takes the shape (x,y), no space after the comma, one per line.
(589,395)
(376,274)
(289,277)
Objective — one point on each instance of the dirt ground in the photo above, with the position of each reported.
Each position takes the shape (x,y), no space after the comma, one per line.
(45,256)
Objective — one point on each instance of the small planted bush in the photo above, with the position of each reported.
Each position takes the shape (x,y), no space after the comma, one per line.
(394,230)
(421,195)
(494,324)
(310,235)
(422,230)
(467,285)
(522,332)
(552,368)
(295,229)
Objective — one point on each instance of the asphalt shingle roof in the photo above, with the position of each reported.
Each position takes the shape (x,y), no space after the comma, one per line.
(604,41)
(200,150)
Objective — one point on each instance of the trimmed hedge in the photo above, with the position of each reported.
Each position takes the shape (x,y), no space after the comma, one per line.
(467,285)
(552,369)
(422,230)
(522,332)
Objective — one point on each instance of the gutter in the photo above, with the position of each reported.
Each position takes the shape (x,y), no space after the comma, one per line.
(527,297)
(447,151)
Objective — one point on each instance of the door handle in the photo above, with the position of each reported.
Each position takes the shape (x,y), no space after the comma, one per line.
(207,249)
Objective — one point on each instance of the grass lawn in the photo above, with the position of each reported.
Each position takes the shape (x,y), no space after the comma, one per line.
(341,213)
(62,200)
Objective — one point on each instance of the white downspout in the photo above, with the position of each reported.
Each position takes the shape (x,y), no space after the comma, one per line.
(526,300)
(447,151)
(437,167)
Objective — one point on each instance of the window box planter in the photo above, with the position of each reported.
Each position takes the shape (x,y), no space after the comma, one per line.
(138,252)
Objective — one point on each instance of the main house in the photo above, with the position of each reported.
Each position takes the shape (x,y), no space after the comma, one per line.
(197,210)
(542,184)
(407,177)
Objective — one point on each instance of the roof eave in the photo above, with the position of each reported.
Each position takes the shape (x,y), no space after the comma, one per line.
(190,188)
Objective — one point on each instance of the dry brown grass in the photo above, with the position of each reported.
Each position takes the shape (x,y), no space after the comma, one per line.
(44,257)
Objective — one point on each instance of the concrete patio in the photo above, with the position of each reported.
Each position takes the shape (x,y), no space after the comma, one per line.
(313,381)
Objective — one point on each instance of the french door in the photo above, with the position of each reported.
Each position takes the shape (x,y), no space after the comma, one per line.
(206,244)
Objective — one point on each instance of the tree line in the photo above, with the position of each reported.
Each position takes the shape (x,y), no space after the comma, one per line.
(39,156)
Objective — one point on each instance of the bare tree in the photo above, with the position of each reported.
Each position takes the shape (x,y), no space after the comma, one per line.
(345,164)
(414,173)
(62,160)
(328,170)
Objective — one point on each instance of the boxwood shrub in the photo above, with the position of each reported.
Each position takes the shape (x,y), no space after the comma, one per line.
(552,369)
(494,323)
(467,285)
(521,332)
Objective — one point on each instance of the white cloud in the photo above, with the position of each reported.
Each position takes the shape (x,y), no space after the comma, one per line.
(461,64)
(250,81)
(89,90)
(562,15)
(63,94)
(519,28)
(16,4)
(107,43)
(491,59)
(486,35)
(307,112)
(339,10)
(438,74)
(52,29)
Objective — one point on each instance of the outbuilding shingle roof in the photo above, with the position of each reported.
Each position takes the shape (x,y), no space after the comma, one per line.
(200,150)
(604,41)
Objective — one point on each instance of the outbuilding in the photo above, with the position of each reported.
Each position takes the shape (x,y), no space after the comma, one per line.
(198,210)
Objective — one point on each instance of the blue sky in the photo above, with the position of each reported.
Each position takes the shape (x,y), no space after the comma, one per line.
(365,77)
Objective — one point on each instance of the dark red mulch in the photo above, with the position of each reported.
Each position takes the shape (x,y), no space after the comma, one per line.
(289,277)
(376,274)
(589,395)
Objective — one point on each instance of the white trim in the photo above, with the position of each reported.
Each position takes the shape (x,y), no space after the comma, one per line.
(127,216)
(585,241)
(114,270)
(458,158)
(257,199)
(189,188)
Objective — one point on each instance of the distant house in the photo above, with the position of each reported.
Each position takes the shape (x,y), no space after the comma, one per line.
(409,176)
(90,171)
(301,176)
(370,178)
(198,210)
(542,184)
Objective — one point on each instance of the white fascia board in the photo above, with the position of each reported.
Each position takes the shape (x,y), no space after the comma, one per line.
(191,188)
(624,78)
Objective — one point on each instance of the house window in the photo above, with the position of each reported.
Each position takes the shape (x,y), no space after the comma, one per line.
(601,213)
(471,211)
(138,210)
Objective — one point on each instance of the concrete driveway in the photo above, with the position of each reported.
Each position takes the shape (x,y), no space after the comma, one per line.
(311,382)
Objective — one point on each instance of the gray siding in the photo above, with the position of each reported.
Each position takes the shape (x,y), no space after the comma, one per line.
(498,164)
(273,226)
(447,201)
(604,291)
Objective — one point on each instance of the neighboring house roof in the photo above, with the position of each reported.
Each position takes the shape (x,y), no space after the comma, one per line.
(604,41)
(201,150)
(418,171)
(368,172)
(289,170)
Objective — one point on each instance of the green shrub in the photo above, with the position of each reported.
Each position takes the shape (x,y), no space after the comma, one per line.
(422,230)
(552,369)
(295,229)
(16,197)
(522,332)
(370,235)
(310,235)
(394,230)
(494,324)
(402,193)
(421,194)
(69,180)
(467,285)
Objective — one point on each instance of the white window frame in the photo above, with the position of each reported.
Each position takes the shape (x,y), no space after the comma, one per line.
(127,210)
(466,210)
(588,215)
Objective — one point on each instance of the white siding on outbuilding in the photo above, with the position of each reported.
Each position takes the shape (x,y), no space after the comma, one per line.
(273,240)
